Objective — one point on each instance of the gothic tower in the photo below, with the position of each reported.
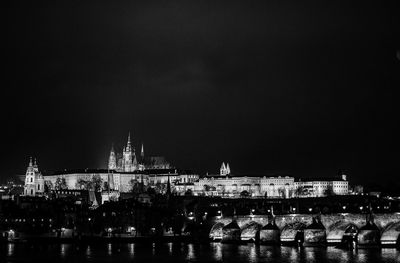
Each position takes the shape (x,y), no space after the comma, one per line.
(112,160)
(228,169)
(222,169)
(142,152)
(141,162)
(225,169)
(127,157)
(34,181)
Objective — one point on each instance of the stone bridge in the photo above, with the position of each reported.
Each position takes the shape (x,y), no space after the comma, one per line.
(382,229)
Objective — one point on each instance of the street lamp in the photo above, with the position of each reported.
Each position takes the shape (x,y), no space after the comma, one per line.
(252,212)
(310,209)
(219,213)
(191,216)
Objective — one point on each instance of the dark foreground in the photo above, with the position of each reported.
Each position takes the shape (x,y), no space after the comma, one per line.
(181,252)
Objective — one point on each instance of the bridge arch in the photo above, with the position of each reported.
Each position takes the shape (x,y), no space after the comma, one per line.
(337,231)
(292,231)
(391,234)
(251,231)
(216,231)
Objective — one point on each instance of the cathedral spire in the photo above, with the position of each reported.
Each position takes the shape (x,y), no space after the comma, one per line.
(222,170)
(128,145)
(30,162)
(228,169)
(142,152)
(112,161)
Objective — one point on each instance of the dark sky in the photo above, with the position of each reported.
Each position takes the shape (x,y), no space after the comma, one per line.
(291,87)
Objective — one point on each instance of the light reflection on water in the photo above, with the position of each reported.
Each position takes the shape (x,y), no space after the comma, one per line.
(180,252)
(88,252)
(132,250)
(109,249)
(10,249)
(190,252)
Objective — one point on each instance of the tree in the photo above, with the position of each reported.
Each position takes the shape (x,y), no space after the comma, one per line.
(281,192)
(244,193)
(82,184)
(160,188)
(329,191)
(135,186)
(60,184)
(189,192)
(48,186)
(299,191)
(96,183)
(105,186)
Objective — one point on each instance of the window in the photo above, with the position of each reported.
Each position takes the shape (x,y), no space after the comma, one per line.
(31,191)
(31,179)
(38,186)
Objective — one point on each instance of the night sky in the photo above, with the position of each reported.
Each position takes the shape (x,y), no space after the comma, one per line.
(272,87)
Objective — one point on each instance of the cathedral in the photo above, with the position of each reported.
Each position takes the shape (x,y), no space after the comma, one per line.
(129,161)
(34,181)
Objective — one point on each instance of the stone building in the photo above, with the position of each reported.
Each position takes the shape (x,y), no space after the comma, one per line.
(323,186)
(129,161)
(34,181)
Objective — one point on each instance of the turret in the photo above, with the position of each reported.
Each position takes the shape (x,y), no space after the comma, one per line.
(222,169)
(225,170)
(112,160)
(127,156)
(128,144)
(34,182)
(142,152)
(228,169)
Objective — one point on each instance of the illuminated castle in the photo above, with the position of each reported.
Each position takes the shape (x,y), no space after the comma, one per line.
(130,162)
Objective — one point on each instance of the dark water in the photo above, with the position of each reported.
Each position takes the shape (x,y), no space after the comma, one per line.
(179,252)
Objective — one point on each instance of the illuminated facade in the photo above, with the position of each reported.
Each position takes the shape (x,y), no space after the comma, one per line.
(128,161)
(34,181)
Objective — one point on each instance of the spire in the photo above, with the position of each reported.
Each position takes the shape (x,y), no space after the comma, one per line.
(30,162)
(228,170)
(128,145)
(142,151)
(222,171)
(112,161)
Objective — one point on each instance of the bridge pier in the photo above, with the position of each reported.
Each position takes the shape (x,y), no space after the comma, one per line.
(368,236)
(231,233)
(270,234)
(301,229)
(315,234)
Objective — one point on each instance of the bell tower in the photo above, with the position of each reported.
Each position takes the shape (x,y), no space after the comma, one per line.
(34,181)
(112,160)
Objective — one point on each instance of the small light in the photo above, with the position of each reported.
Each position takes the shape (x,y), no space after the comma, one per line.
(344,207)
(310,209)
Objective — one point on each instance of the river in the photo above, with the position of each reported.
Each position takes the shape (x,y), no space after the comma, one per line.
(181,252)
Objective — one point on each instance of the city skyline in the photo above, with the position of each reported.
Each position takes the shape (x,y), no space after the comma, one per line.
(199,131)
(261,86)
